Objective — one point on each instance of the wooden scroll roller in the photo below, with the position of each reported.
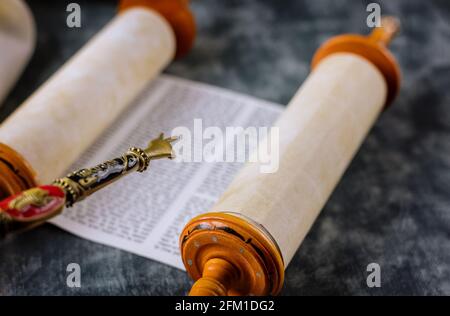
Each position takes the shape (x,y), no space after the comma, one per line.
(47,133)
(17,40)
(34,206)
(245,244)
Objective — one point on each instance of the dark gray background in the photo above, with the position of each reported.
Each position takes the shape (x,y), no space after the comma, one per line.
(393,204)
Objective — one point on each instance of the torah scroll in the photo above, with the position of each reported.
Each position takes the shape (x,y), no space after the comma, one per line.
(244,245)
(47,133)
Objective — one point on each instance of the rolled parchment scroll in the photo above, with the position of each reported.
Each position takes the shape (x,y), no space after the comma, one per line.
(17,40)
(47,133)
(258,224)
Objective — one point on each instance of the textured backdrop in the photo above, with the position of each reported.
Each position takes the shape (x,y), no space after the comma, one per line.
(393,204)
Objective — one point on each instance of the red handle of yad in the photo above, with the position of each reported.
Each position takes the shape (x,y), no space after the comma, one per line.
(35,204)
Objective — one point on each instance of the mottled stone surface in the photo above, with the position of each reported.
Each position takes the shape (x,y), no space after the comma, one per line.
(393,204)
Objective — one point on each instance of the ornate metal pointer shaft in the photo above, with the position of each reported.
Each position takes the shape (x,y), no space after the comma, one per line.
(32,207)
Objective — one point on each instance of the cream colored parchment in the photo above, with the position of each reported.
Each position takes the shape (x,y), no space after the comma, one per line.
(320,132)
(17,40)
(62,118)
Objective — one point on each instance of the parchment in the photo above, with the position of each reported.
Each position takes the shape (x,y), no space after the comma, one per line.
(145,213)
(17,40)
(320,132)
(68,113)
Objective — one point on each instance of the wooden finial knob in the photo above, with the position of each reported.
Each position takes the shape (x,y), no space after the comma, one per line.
(177,13)
(218,276)
(372,48)
(390,27)
(228,254)
(16,174)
